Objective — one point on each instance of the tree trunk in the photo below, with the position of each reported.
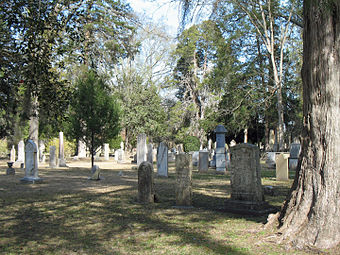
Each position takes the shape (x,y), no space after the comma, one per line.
(310,216)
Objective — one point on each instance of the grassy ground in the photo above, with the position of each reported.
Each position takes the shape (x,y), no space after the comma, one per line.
(68,214)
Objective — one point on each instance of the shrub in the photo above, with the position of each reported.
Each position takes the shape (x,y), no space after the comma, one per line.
(191,143)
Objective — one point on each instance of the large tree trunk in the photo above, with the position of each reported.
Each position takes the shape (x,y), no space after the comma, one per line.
(311,214)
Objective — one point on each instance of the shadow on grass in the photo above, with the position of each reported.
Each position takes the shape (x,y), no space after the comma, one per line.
(88,223)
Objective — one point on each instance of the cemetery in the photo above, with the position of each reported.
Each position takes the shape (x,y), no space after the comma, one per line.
(173,207)
(170,127)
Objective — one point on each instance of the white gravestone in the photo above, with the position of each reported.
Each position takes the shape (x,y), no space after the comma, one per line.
(61,162)
(149,155)
(141,149)
(21,153)
(95,173)
(12,155)
(162,160)
(41,151)
(31,163)
(282,166)
(220,149)
(53,157)
(81,149)
(106,151)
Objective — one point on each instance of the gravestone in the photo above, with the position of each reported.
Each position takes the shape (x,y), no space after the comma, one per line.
(282,166)
(31,163)
(95,173)
(12,154)
(270,159)
(119,156)
(81,149)
(295,149)
(183,187)
(162,160)
(203,161)
(21,153)
(106,151)
(247,195)
(41,152)
(180,148)
(194,157)
(220,149)
(141,149)
(61,160)
(10,170)
(53,157)
(146,193)
(171,157)
(149,155)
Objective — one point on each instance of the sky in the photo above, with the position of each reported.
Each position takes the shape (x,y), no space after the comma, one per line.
(159,11)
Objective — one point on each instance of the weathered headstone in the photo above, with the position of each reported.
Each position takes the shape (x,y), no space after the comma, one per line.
(141,149)
(149,155)
(194,157)
(106,151)
(180,148)
(61,160)
(282,167)
(146,193)
(119,156)
(162,160)
(21,153)
(31,163)
(95,173)
(203,161)
(81,149)
(171,157)
(12,154)
(246,189)
(53,157)
(270,160)
(10,170)
(295,149)
(41,151)
(246,173)
(220,148)
(183,179)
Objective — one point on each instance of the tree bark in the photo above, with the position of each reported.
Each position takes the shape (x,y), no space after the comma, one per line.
(310,216)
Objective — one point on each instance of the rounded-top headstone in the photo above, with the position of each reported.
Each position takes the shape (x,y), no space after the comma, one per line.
(220,129)
(145,183)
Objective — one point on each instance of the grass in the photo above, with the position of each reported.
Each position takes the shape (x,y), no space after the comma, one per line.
(68,214)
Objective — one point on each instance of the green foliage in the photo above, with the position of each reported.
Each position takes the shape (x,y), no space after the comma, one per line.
(191,143)
(142,110)
(115,142)
(3,148)
(94,115)
(69,146)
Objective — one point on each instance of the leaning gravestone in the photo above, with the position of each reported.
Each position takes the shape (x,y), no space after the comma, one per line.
(162,160)
(31,163)
(61,161)
(203,161)
(183,187)
(282,167)
(146,193)
(12,155)
(53,157)
(95,173)
(141,149)
(220,149)
(247,195)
